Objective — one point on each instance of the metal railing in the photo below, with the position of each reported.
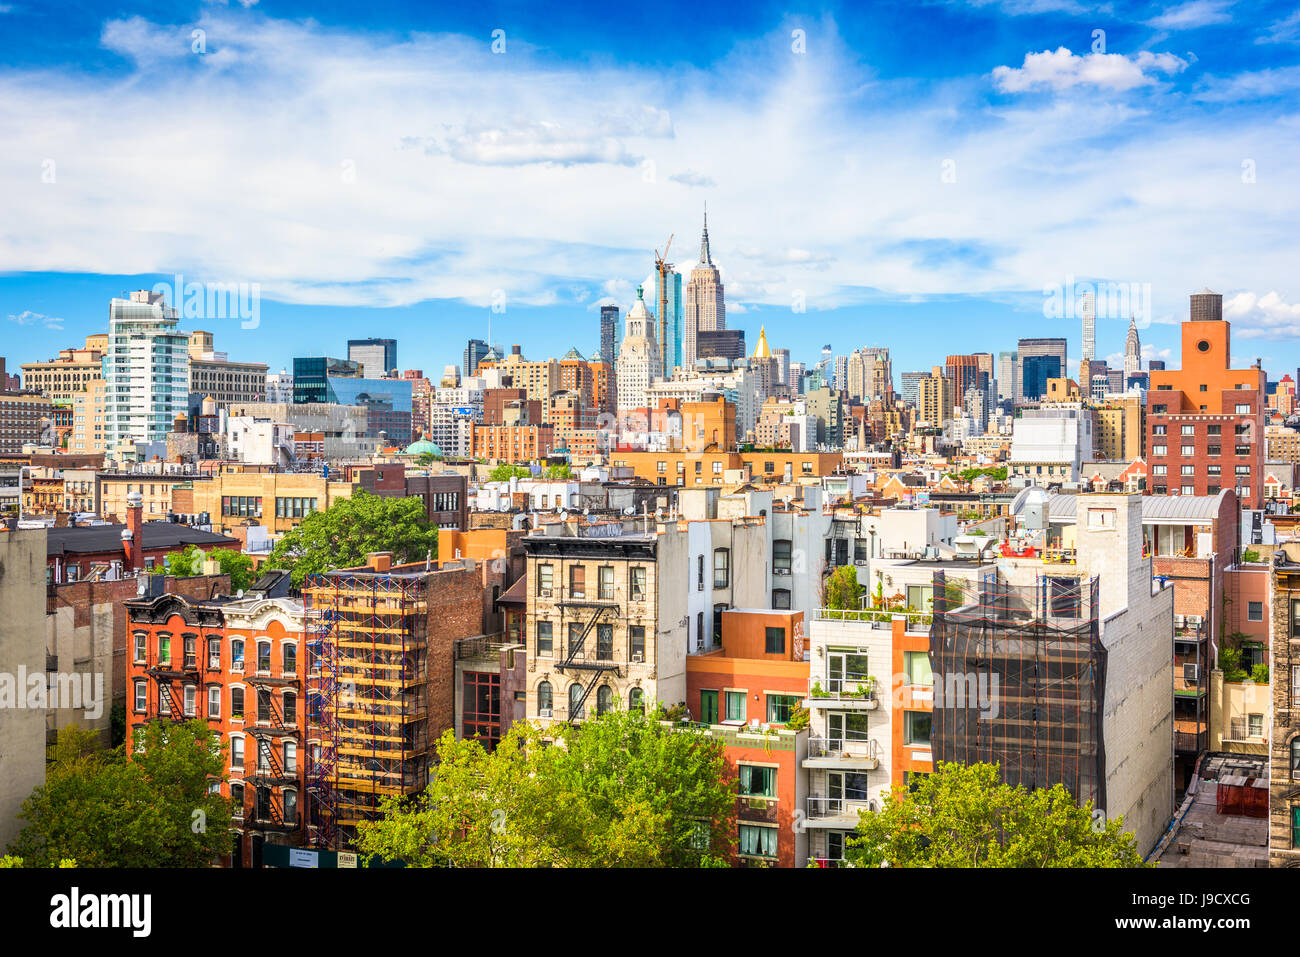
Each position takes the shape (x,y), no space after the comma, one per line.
(877,617)
(821,807)
(849,687)
(850,748)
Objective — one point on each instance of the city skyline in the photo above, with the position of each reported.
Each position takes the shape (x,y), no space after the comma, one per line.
(958,190)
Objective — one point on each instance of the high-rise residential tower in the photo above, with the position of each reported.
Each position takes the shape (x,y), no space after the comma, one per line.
(1038,360)
(609,333)
(146,370)
(705,308)
(1088,310)
(668,293)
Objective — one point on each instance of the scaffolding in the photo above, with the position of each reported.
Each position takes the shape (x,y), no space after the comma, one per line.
(367,696)
(1020,674)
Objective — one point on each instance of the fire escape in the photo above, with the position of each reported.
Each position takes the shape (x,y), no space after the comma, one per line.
(600,663)
(171,683)
(270,776)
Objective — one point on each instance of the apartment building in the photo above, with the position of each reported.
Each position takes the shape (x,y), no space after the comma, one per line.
(278,500)
(69,375)
(25,419)
(1284,735)
(22,648)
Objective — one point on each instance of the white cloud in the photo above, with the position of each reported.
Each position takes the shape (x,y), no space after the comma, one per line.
(339,169)
(692,178)
(29,318)
(1252,85)
(1286,30)
(1262,317)
(1061,70)
(1196,13)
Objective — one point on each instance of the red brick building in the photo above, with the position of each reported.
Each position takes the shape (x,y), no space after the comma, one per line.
(1205,421)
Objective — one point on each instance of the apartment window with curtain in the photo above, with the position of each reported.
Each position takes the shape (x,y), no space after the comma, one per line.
(735,701)
(636,643)
(638,584)
(757,841)
(721,567)
(544,639)
(545,579)
(606,582)
(578,581)
(781,557)
(757,781)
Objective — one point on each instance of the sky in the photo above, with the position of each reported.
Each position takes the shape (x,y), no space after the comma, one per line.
(926,175)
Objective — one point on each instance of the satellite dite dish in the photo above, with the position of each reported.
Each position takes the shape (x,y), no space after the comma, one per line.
(629,510)
(564,516)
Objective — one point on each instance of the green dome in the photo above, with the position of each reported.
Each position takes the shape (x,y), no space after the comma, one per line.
(423,446)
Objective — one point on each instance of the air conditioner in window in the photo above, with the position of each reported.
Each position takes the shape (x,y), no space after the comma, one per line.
(1179,621)
(543,712)
(546,593)
(1191,672)
(1194,620)
(637,658)
(780,571)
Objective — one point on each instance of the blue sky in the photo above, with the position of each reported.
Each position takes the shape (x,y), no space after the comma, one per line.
(914,175)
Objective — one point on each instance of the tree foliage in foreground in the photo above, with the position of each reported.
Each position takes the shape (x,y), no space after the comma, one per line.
(343,534)
(964,816)
(620,790)
(102,808)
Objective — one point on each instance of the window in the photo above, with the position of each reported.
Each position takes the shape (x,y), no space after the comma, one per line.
(604,642)
(1295,759)
(290,708)
(236,752)
(638,584)
(1214,430)
(604,698)
(780,707)
(756,781)
(263,656)
(290,807)
(916,728)
(699,573)
(757,841)
(781,598)
(916,665)
(1214,450)
(735,706)
(575,697)
(1189,430)
(544,639)
(606,584)
(636,700)
(1189,470)
(141,646)
(237,703)
(141,695)
(578,581)
(545,575)
(636,643)
(721,567)
(289,658)
(164,650)
(1254,611)
(214,654)
(236,654)
(1255,725)
(781,557)
(1159,470)
(1243,408)
(291,757)
(775,641)
(1188,450)
(717,468)
(214,701)
(1159,450)
(1242,469)
(544,698)
(1160,430)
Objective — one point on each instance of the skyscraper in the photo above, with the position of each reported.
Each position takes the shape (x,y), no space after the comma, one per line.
(1088,309)
(673,319)
(1133,348)
(1038,360)
(146,370)
(378,357)
(477,349)
(638,362)
(608,334)
(783,360)
(705,308)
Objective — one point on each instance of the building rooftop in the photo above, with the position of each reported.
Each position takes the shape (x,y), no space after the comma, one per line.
(1203,837)
(95,539)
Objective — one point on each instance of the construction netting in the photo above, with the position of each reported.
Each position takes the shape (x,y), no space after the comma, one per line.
(1019,676)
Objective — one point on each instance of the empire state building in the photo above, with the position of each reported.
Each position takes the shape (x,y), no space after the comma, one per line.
(705,310)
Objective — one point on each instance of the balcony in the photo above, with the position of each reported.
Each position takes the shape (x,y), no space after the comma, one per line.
(849,693)
(1190,742)
(836,813)
(847,752)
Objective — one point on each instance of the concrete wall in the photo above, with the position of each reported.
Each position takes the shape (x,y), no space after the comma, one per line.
(22,645)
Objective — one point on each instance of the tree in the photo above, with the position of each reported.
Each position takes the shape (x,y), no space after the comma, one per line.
(188,562)
(504,473)
(425,459)
(343,534)
(964,816)
(185,563)
(843,590)
(558,472)
(154,808)
(620,790)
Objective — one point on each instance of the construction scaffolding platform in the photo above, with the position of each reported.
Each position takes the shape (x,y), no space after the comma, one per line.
(367,696)
(1019,675)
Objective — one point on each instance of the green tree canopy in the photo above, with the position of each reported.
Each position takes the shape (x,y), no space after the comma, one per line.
(964,816)
(556,472)
(620,790)
(504,473)
(843,590)
(154,808)
(343,534)
(188,562)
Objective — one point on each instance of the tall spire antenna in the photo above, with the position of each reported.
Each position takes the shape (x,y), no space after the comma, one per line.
(705,259)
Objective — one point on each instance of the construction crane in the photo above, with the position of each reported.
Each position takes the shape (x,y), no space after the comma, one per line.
(662,268)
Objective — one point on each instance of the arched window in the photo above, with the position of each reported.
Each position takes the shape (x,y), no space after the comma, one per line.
(544,698)
(236,654)
(1295,758)
(575,697)
(636,700)
(289,657)
(604,697)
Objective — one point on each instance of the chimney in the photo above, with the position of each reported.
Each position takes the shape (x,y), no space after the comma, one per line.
(133,535)
(379,561)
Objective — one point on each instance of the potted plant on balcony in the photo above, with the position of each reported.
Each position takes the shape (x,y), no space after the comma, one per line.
(817,690)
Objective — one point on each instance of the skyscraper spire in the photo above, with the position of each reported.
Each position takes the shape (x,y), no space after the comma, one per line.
(1132,349)
(705,259)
